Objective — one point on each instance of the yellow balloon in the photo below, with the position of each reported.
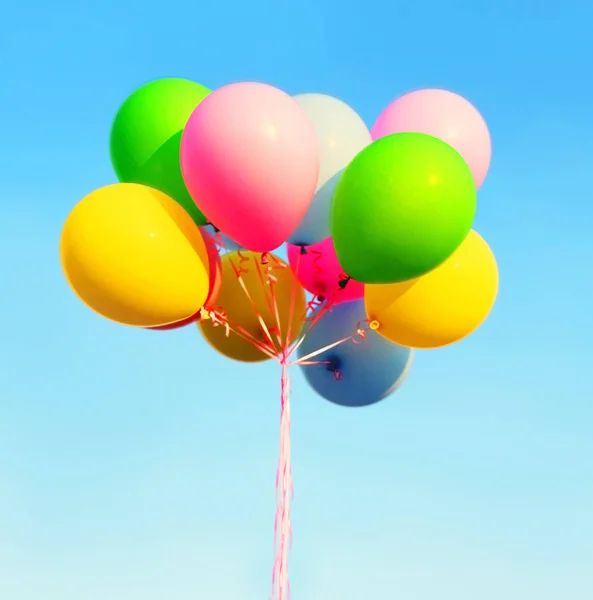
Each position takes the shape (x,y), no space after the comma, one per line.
(134,256)
(242,313)
(441,307)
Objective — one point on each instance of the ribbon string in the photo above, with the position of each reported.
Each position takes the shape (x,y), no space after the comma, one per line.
(279,346)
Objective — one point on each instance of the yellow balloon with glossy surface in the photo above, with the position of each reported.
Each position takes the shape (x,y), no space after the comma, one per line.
(134,256)
(441,307)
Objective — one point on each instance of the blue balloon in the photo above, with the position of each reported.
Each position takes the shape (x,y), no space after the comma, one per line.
(229,244)
(368,371)
(314,226)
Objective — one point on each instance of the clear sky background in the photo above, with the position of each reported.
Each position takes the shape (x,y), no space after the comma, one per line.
(139,465)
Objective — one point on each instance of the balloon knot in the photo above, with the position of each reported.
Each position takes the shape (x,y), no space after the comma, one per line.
(303,250)
(344,281)
(374,325)
(333,366)
(265,259)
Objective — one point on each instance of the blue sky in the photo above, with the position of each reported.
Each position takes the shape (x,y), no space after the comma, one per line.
(139,465)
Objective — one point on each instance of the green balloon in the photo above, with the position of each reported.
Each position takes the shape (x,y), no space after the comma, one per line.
(401,208)
(146,134)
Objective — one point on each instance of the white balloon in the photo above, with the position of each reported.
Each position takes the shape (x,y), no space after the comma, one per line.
(342,135)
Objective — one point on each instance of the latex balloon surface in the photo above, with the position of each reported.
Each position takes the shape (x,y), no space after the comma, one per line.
(342,135)
(368,371)
(318,270)
(146,135)
(215,271)
(242,312)
(442,307)
(401,208)
(315,225)
(444,115)
(134,256)
(250,159)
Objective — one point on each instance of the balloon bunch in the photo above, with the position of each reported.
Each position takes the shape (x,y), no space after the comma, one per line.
(382,259)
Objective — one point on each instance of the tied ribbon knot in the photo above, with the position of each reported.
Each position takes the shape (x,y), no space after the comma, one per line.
(343,282)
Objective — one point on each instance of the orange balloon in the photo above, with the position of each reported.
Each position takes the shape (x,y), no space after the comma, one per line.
(271,285)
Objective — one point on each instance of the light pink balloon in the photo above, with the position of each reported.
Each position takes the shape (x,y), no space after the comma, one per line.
(250,160)
(443,115)
(319,272)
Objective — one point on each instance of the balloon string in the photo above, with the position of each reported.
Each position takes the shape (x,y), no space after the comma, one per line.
(314,306)
(284,495)
(357,338)
(218,318)
(283,343)
(218,240)
(319,304)
(320,285)
(317,301)
(306,363)
(240,268)
(238,271)
(313,320)
(248,338)
(218,243)
(258,315)
(268,285)
(317,273)
(212,245)
(292,307)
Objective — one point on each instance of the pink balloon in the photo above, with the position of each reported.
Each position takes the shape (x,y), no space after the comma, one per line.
(443,115)
(319,272)
(250,160)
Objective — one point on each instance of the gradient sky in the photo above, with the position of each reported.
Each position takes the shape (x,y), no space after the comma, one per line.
(139,465)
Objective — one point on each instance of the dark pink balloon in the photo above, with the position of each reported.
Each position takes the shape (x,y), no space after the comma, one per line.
(319,272)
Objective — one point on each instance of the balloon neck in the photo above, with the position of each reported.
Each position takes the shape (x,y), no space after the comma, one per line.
(333,366)
(303,250)
(374,325)
(265,259)
(344,281)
